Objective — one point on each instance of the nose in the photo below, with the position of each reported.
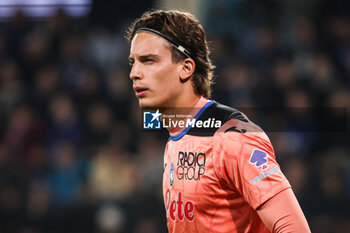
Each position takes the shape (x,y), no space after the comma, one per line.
(135,72)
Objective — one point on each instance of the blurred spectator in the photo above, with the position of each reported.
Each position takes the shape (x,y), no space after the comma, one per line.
(74,158)
(13,187)
(297,174)
(112,175)
(35,52)
(65,124)
(71,57)
(38,204)
(99,126)
(67,174)
(120,93)
(3,47)
(110,219)
(150,167)
(11,88)
(23,130)
(46,83)
(328,204)
(88,88)
(103,48)
(15,31)
(147,225)
(239,81)
(323,76)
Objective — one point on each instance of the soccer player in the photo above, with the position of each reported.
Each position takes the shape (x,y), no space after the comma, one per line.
(222,178)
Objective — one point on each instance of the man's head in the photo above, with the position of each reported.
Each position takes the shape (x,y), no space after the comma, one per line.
(184,36)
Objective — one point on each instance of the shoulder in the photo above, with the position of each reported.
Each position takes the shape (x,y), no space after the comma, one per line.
(218,115)
(237,135)
(230,129)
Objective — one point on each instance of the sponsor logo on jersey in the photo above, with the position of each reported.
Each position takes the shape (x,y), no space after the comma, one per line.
(151,119)
(264,175)
(259,159)
(190,165)
(171,174)
(177,209)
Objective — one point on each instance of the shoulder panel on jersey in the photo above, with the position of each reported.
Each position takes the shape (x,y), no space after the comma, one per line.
(216,112)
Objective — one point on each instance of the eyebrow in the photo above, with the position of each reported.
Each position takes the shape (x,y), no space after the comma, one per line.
(144,57)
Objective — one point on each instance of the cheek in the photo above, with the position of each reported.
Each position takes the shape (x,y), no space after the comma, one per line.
(165,80)
(169,83)
(169,77)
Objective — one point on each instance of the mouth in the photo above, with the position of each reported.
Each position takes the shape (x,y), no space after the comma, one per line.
(140,91)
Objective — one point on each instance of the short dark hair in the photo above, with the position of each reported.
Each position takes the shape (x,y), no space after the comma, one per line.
(185,30)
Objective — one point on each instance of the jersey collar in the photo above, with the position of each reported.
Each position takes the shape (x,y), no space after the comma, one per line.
(197,111)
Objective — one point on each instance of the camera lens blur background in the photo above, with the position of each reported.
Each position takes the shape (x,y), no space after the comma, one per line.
(73,157)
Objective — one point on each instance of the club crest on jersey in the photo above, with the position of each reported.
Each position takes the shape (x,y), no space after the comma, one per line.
(171,174)
(259,159)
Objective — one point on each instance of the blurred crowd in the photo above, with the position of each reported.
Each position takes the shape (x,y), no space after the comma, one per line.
(73,157)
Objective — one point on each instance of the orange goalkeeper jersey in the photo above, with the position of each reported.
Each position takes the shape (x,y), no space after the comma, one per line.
(215,178)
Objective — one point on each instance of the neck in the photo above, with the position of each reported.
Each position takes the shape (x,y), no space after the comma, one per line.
(185,100)
(183,107)
(175,117)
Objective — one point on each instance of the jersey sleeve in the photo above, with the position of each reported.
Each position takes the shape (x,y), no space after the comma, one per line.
(246,163)
(282,213)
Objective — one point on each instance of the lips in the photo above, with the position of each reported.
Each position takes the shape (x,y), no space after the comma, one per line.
(140,91)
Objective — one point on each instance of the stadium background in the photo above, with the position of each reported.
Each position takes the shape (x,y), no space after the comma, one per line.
(73,157)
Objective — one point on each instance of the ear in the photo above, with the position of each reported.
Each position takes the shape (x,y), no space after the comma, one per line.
(188,68)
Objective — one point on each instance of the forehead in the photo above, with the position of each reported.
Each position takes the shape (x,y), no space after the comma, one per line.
(148,43)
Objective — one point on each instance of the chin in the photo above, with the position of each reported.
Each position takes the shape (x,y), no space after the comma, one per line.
(144,104)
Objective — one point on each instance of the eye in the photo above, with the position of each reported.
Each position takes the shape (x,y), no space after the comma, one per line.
(149,61)
(131,62)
